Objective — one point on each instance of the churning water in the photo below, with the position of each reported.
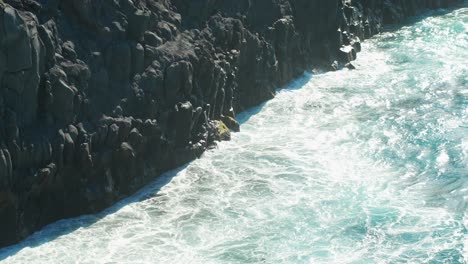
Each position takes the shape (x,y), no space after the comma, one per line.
(363,166)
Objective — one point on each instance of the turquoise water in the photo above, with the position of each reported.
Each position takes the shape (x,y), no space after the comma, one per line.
(363,166)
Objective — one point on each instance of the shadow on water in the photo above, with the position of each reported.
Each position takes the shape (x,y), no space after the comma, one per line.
(67,226)
(295,84)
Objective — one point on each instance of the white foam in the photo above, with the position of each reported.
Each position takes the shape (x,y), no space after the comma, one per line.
(363,166)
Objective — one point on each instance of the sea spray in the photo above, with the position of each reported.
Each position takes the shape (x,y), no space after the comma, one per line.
(362,166)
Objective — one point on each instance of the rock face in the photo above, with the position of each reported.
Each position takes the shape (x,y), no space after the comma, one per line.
(99,97)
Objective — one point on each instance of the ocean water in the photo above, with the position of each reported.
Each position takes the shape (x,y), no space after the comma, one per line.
(363,166)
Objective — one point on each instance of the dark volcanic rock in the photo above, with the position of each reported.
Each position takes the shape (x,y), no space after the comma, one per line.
(99,97)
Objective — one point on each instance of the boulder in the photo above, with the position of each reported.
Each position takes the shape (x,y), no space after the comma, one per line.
(182,122)
(112,135)
(138,23)
(84,157)
(68,150)
(68,50)
(17,41)
(347,54)
(152,81)
(152,39)
(124,166)
(135,139)
(125,126)
(63,102)
(231,123)
(138,58)
(47,38)
(222,131)
(178,80)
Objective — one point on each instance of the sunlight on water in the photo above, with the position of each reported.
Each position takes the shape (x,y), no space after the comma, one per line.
(364,166)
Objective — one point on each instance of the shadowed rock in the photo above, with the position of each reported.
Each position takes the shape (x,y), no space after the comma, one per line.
(99,97)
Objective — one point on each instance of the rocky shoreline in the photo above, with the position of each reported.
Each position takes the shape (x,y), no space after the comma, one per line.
(98,98)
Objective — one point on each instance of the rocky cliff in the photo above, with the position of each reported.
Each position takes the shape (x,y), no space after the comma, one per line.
(98,97)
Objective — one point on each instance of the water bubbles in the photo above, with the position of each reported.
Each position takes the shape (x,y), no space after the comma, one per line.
(365,166)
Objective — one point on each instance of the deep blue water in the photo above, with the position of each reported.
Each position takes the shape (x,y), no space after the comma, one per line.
(363,166)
